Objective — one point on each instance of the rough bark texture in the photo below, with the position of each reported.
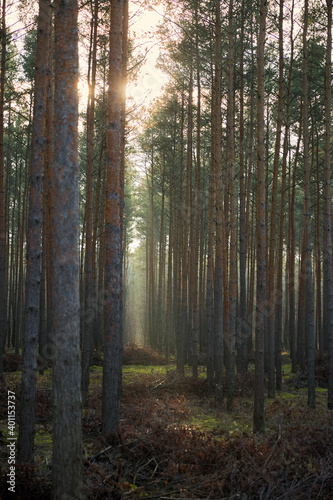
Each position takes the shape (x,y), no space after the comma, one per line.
(113,263)
(259,414)
(34,237)
(67,442)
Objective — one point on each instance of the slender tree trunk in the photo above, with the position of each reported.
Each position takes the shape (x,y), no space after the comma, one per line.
(233,278)
(242,330)
(210,253)
(217,169)
(291,281)
(196,211)
(328,285)
(278,292)
(151,266)
(34,240)
(180,236)
(45,353)
(161,267)
(259,413)
(89,275)
(272,233)
(113,265)
(318,287)
(309,312)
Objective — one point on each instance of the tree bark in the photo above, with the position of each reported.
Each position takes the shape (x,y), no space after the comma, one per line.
(309,310)
(259,412)
(242,330)
(113,264)
(233,278)
(67,470)
(328,284)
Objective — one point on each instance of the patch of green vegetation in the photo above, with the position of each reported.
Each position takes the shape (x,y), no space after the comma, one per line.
(96,369)
(289,395)
(219,421)
(322,391)
(43,438)
(286,370)
(13,380)
(130,372)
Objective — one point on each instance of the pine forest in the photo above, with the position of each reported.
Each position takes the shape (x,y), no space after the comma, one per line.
(166,267)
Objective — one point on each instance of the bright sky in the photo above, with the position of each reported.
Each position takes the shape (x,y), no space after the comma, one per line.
(142,29)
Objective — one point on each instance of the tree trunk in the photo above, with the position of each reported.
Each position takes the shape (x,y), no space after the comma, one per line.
(328,284)
(242,330)
(272,233)
(217,169)
(278,292)
(113,264)
(309,310)
(259,412)
(67,470)
(89,275)
(196,211)
(233,278)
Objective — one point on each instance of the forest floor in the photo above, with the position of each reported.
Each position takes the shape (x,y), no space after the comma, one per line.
(175,442)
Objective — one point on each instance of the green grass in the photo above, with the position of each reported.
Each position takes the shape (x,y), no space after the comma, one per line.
(130,372)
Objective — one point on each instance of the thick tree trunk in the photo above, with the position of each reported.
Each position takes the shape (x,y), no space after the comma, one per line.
(113,264)
(67,470)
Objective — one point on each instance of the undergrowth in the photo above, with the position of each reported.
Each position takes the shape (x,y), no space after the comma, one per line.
(175,442)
